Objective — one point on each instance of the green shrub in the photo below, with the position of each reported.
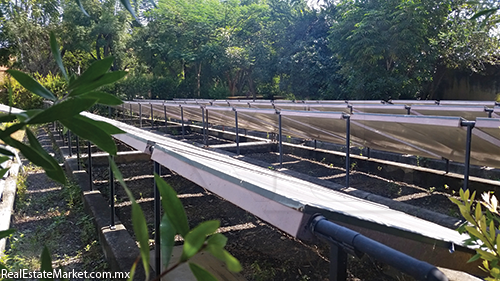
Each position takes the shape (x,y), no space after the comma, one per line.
(24,99)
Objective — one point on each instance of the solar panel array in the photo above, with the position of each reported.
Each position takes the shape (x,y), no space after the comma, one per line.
(424,128)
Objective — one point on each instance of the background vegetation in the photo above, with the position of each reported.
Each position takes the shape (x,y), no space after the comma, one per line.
(369,49)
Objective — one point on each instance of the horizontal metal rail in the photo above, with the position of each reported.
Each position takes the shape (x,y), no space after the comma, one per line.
(357,244)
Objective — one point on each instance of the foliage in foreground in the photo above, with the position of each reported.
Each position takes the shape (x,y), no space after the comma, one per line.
(79,94)
(483,228)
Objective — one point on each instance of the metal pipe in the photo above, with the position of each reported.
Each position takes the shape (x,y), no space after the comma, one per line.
(165,115)
(338,263)
(206,124)
(109,112)
(91,183)
(203,124)
(182,121)
(237,132)
(111,193)
(468,141)
(140,116)
(123,111)
(280,140)
(357,244)
(347,148)
(152,119)
(368,152)
(157,210)
(315,144)
(70,149)
(77,153)
(131,113)
(447,165)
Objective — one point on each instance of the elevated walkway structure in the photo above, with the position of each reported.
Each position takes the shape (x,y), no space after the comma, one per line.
(288,203)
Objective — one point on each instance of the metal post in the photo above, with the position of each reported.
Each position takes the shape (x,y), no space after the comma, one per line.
(315,144)
(152,120)
(206,124)
(77,153)
(111,193)
(408,109)
(131,113)
(123,111)
(447,165)
(338,263)
(470,126)
(237,132)
(140,116)
(70,149)
(203,124)
(368,152)
(109,112)
(157,210)
(280,140)
(165,115)
(182,121)
(347,148)
(91,183)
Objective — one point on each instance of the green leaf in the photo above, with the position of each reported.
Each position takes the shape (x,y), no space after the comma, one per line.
(64,110)
(4,158)
(487,13)
(126,4)
(10,130)
(46,262)
(167,239)
(194,240)
(56,171)
(94,71)
(4,118)
(88,129)
(5,233)
(79,3)
(3,172)
(102,98)
(31,84)
(232,263)
(6,152)
(132,270)
(217,240)
(200,273)
(102,80)
(172,206)
(38,158)
(474,258)
(138,220)
(54,47)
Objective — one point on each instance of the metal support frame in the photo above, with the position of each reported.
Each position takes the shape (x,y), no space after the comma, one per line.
(315,144)
(408,110)
(70,149)
(157,212)
(182,121)
(368,152)
(338,263)
(152,119)
(345,240)
(203,124)
(489,111)
(77,153)
(91,182)
(131,113)
(109,112)
(123,111)
(447,168)
(237,131)
(470,125)
(140,116)
(347,148)
(165,116)
(111,194)
(280,140)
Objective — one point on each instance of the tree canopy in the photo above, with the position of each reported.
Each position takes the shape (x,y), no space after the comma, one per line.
(356,49)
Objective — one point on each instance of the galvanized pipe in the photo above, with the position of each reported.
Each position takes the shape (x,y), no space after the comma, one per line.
(358,244)
(182,121)
(237,132)
(70,149)
(165,115)
(157,211)
(280,140)
(347,149)
(77,153)
(140,115)
(91,183)
(111,193)
(468,141)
